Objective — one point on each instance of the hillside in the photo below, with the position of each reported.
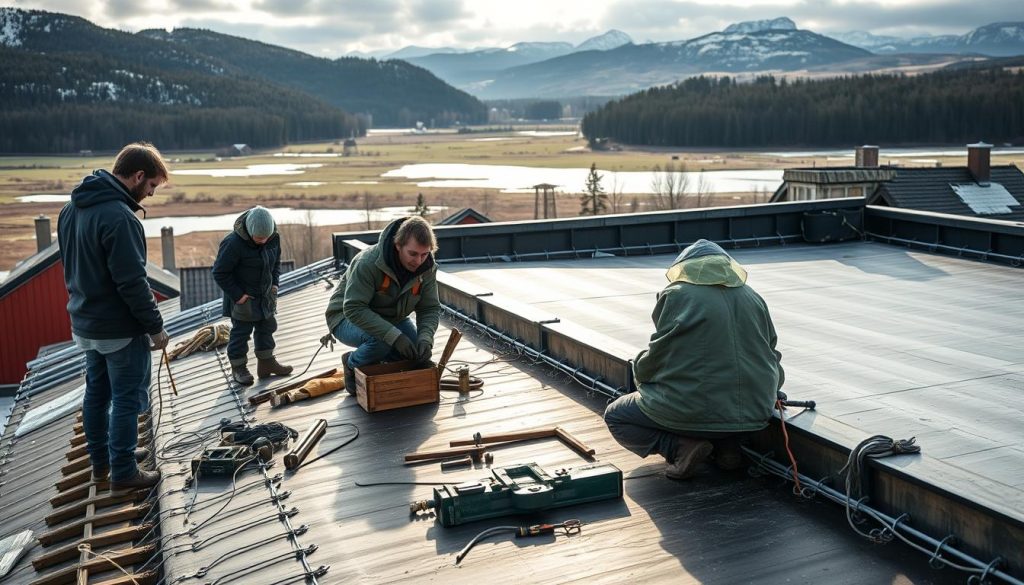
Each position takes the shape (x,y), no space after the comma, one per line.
(394,92)
(71,102)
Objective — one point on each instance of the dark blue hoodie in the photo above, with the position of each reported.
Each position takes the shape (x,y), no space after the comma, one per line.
(103,248)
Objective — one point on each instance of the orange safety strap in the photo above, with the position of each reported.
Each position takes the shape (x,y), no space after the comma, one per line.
(385,284)
(416,287)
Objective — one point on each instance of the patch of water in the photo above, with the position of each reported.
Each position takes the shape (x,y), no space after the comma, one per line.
(514,179)
(282,215)
(251,170)
(546,133)
(307,184)
(307,154)
(45,198)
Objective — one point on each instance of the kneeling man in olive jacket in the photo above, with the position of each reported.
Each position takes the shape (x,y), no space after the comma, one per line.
(383,285)
(710,372)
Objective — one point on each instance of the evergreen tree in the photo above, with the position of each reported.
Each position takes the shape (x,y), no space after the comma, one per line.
(594,200)
(421,208)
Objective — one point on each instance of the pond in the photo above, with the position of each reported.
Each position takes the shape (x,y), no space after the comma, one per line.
(251,170)
(515,179)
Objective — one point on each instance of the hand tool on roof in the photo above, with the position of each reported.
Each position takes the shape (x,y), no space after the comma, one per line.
(449,348)
(568,526)
(475,451)
(520,489)
(563,435)
(266,395)
(298,454)
(167,362)
(447,464)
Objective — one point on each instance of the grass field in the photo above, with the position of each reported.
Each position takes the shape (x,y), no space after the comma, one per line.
(350,182)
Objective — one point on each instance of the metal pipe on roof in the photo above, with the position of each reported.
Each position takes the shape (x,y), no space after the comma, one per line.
(892,524)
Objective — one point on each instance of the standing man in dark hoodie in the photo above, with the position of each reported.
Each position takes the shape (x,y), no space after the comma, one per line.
(383,285)
(711,372)
(112,309)
(248,270)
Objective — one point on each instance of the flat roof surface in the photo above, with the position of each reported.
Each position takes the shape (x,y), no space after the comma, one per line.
(887,340)
(716,528)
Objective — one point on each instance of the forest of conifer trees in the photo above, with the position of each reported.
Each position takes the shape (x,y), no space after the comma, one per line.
(937,108)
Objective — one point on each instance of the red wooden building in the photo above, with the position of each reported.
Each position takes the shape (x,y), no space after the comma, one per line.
(33,309)
(465,216)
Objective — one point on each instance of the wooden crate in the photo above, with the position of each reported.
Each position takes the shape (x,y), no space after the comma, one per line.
(395,385)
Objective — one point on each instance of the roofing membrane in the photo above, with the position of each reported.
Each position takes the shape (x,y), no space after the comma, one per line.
(717,528)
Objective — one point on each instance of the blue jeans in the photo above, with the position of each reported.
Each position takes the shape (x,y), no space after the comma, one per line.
(369,349)
(116,391)
(263,338)
(635,431)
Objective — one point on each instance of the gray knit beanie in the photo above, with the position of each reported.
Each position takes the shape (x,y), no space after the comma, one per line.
(259,222)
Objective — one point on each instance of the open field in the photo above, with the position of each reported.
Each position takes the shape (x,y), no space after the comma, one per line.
(355,182)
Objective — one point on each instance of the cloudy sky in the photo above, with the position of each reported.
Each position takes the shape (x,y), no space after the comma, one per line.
(332,28)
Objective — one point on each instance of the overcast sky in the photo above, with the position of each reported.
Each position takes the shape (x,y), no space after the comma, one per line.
(332,28)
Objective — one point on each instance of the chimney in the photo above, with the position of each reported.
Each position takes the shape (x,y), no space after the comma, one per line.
(167,245)
(42,233)
(867,157)
(979,158)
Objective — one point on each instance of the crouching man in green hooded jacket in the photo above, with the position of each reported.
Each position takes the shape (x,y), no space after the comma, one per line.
(383,285)
(711,371)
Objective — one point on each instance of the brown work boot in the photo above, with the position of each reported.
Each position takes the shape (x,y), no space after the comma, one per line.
(266,368)
(241,375)
(103,473)
(350,374)
(142,480)
(689,454)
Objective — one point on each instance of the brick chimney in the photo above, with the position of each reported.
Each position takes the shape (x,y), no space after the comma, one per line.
(979,158)
(42,233)
(167,245)
(867,157)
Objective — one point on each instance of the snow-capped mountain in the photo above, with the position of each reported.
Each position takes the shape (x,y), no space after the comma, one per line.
(631,67)
(753,26)
(609,40)
(1000,39)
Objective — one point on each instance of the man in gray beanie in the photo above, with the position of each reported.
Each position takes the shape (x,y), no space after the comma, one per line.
(248,270)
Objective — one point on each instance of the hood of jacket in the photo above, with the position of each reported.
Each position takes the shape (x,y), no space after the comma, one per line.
(706,263)
(101,187)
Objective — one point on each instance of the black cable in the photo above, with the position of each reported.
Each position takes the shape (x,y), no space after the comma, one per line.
(333,449)
(234,489)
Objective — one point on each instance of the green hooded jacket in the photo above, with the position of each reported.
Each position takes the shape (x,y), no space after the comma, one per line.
(375,304)
(711,365)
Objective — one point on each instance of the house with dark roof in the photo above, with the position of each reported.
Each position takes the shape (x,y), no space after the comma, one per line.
(465,216)
(33,308)
(977,190)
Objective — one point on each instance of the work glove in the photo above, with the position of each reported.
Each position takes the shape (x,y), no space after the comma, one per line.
(424,349)
(159,341)
(404,346)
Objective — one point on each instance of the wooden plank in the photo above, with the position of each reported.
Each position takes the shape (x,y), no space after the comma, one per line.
(77,479)
(70,550)
(105,519)
(143,578)
(107,498)
(97,564)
